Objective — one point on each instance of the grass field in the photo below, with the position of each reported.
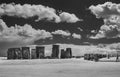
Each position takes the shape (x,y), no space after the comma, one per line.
(59,68)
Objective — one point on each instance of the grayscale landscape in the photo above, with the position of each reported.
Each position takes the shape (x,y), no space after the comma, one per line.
(59,38)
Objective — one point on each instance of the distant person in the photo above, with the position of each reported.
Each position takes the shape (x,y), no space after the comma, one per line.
(108,56)
(117,58)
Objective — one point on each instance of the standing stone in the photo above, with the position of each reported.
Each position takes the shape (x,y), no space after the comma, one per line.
(40,52)
(33,53)
(17,53)
(91,57)
(10,53)
(62,53)
(68,53)
(86,56)
(25,52)
(55,51)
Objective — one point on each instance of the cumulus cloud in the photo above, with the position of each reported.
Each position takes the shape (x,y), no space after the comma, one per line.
(110,12)
(2,25)
(80,29)
(23,33)
(93,31)
(27,10)
(77,36)
(42,12)
(61,32)
(106,31)
(70,18)
(19,35)
(105,10)
(67,34)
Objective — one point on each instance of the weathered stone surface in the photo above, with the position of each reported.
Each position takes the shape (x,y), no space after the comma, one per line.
(17,53)
(62,53)
(40,52)
(33,54)
(14,53)
(10,53)
(25,52)
(68,53)
(55,51)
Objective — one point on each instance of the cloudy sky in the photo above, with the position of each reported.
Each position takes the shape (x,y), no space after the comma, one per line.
(78,22)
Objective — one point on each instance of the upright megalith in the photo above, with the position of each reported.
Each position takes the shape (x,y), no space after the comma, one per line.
(40,52)
(10,53)
(17,53)
(14,53)
(68,53)
(33,54)
(26,52)
(62,53)
(55,51)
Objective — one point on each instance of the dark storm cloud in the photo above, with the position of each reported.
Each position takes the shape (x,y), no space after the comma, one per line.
(43,12)
(110,12)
